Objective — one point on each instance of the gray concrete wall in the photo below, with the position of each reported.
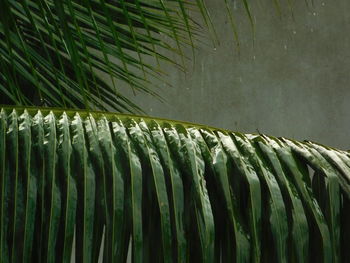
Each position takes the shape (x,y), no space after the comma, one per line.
(294,82)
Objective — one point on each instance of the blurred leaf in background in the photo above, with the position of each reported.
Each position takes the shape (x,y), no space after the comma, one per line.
(51,52)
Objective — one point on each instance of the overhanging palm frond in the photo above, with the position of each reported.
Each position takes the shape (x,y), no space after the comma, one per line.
(77,54)
(179,192)
(54,51)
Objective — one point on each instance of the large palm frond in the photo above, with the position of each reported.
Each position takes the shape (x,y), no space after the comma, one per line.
(78,53)
(58,52)
(178,192)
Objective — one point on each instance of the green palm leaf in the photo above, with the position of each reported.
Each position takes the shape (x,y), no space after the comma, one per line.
(78,54)
(177,192)
(58,53)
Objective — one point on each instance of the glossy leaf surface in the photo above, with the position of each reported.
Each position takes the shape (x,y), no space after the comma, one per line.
(166,190)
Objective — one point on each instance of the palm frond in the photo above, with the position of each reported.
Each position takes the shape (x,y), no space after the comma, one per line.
(57,53)
(79,54)
(178,192)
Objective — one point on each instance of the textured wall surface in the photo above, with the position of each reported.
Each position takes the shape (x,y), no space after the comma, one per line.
(293,82)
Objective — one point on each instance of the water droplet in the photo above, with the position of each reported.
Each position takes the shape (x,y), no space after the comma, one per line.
(214,48)
(151,109)
(294,32)
(314,14)
(254,57)
(323,4)
(285,47)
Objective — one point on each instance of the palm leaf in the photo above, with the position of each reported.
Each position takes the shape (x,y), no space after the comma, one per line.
(58,53)
(78,54)
(179,192)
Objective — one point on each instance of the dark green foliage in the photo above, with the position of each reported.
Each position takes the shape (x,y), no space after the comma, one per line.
(76,54)
(177,192)
(85,53)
